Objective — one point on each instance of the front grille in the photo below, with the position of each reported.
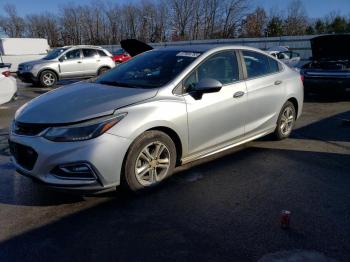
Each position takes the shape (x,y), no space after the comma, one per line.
(25,156)
(28,129)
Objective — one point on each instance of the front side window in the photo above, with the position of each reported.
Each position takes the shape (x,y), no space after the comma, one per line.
(151,69)
(222,67)
(258,64)
(89,53)
(74,54)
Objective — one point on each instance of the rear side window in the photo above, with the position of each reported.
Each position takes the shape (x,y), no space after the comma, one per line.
(101,53)
(222,67)
(258,64)
(274,65)
(89,53)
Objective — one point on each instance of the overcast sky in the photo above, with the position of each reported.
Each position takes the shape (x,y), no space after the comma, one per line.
(314,8)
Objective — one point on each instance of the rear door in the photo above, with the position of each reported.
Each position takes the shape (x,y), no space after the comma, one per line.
(91,61)
(215,119)
(71,64)
(265,89)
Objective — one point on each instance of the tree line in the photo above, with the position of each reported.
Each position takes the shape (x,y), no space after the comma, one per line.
(104,23)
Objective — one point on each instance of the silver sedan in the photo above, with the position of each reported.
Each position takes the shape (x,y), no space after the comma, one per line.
(133,125)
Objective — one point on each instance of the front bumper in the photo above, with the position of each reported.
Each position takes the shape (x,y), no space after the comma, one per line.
(26,77)
(105,154)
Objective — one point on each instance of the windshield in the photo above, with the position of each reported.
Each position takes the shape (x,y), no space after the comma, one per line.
(54,53)
(149,70)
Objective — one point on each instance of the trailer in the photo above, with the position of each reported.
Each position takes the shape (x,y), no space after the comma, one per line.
(14,51)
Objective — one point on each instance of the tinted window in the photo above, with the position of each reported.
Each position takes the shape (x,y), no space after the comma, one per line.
(89,53)
(258,64)
(74,54)
(274,65)
(149,70)
(222,67)
(101,53)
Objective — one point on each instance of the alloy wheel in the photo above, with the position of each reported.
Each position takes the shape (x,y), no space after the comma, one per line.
(287,121)
(152,164)
(49,79)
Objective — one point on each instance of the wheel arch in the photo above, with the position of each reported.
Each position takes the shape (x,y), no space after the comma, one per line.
(174,137)
(294,101)
(103,66)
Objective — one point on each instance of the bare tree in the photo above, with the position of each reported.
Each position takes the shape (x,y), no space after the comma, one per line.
(182,11)
(255,23)
(12,24)
(296,22)
(233,13)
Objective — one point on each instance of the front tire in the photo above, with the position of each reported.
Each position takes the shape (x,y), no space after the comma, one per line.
(286,121)
(48,78)
(150,160)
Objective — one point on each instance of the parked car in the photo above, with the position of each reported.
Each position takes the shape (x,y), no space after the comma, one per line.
(120,56)
(69,62)
(8,86)
(163,108)
(329,69)
(290,58)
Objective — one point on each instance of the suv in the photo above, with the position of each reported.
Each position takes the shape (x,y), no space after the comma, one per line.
(69,62)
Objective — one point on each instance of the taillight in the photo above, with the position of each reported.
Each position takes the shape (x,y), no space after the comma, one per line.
(302,78)
(6,73)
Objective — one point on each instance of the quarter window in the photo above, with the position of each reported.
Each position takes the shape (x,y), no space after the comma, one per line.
(222,67)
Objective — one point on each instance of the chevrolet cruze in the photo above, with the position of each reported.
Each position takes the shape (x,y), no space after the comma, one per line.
(133,125)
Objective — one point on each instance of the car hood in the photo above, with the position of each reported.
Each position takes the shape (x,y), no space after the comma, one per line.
(331,47)
(80,101)
(35,62)
(134,47)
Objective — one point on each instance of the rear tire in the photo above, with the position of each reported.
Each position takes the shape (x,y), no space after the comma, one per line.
(102,70)
(151,159)
(286,121)
(48,78)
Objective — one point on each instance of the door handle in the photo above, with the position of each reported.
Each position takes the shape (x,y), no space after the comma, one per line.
(278,82)
(79,62)
(238,94)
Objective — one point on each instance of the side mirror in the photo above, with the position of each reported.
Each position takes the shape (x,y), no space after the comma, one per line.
(207,85)
(62,58)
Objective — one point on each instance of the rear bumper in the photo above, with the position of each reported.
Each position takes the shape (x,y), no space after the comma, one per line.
(325,84)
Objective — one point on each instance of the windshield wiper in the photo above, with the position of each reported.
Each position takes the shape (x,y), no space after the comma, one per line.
(115,83)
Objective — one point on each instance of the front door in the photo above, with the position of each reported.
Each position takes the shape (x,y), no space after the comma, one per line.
(216,119)
(71,64)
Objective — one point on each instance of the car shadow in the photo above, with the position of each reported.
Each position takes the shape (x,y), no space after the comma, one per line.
(229,213)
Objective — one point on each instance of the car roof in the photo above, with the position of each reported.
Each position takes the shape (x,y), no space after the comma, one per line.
(204,48)
(83,46)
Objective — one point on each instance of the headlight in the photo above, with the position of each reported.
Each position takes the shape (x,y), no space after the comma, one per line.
(83,131)
(28,67)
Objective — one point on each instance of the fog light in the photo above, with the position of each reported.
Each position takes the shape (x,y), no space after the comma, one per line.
(82,171)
